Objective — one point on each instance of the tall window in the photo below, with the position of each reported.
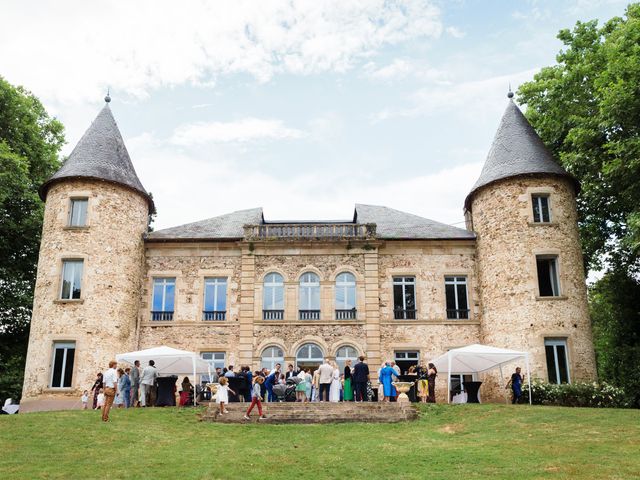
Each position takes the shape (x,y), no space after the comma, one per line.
(345,296)
(270,357)
(164,292)
(215,299)
(557,362)
(273,304)
(78,212)
(541,213)
(346,353)
(548,282)
(309,296)
(71,279)
(62,369)
(456,292)
(215,359)
(404,297)
(309,355)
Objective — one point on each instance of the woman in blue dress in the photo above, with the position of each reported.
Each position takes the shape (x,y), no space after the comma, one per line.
(385,378)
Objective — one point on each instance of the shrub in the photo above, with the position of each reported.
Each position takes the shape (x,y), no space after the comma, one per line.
(593,395)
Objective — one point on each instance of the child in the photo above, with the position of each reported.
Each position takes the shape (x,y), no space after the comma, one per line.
(256,398)
(100,403)
(222,397)
(85,399)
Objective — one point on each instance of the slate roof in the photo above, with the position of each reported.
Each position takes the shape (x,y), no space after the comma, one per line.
(517,150)
(394,224)
(391,224)
(224,227)
(100,154)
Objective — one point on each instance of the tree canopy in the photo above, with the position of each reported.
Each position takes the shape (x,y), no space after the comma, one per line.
(587,111)
(30,141)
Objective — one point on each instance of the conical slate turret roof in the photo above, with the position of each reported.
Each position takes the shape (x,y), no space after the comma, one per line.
(517,150)
(101,155)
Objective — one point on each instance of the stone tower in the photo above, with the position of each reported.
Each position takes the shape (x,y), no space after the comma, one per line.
(529,262)
(90,267)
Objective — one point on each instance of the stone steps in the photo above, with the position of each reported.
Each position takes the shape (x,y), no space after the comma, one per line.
(316,413)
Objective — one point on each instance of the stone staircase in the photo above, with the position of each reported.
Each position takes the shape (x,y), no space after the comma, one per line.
(315,412)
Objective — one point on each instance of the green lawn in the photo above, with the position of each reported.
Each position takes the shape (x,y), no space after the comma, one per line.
(457,442)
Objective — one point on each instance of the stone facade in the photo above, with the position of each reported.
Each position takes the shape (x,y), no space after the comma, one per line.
(497,262)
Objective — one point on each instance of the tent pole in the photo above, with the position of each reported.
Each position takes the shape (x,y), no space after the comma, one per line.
(502,386)
(449,378)
(526,358)
(195,380)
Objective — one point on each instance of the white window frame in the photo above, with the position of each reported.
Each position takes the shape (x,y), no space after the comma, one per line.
(309,281)
(216,283)
(66,346)
(212,361)
(536,200)
(73,264)
(453,280)
(272,284)
(555,343)
(346,285)
(272,358)
(309,359)
(341,359)
(76,222)
(165,281)
(402,281)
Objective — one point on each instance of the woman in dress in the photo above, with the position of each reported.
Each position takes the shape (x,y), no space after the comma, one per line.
(308,382)
(431,378)
(301,387)
(334,389)
(423,384)
(97,386)
(348,389)
(316,386)
(385,378)
(119,400)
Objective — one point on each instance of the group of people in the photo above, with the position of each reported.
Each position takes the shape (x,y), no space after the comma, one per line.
(124,388)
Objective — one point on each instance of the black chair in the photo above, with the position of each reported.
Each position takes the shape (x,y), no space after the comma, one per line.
(166,391)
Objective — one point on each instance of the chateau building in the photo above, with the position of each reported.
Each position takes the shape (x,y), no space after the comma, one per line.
(242,289)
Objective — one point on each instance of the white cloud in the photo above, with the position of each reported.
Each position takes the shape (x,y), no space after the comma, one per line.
(455,32)
(244,130)
(402,68)
(68,51)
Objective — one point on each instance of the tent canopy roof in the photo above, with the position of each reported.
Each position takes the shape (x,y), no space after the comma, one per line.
(168,360)
(476,358)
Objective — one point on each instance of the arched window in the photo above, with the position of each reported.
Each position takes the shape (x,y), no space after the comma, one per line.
(273,305)
(309,355)
(346,353)
(345,296)
(309,296)
(270,356)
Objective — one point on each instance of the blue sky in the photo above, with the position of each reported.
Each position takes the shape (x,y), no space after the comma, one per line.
(302,107)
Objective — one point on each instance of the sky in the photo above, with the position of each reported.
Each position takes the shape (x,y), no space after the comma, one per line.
(302,107)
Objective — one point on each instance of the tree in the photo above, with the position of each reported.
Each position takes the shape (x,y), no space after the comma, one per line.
(30,141)
(587,111)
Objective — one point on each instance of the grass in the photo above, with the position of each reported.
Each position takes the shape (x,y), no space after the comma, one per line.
(463,441)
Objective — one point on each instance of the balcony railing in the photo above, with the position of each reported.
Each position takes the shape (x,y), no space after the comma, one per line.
(161,316)
(400,314)
(350,314)
(310,231)
(458,314)
(309,314)
(214,315)
(273,314)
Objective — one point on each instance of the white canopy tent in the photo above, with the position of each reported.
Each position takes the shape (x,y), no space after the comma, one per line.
(169,361)
(478,358)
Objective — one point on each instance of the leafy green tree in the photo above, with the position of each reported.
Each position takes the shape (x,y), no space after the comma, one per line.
(587,111)
(617,343)
(30,141)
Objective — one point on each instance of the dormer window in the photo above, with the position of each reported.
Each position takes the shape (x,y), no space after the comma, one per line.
(78,212)
(541,212)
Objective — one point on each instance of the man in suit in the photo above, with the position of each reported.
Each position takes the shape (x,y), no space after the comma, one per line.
(290,372)
(135,384)
(360,376)
(326,375)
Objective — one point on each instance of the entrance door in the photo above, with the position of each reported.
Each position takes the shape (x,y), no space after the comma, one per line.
(405,359)
(309,356)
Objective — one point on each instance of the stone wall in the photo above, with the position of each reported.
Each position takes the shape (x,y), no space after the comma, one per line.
(513,313)
(103,322)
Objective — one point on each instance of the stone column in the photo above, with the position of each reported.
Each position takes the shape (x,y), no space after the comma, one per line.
(372,307)
(247,307)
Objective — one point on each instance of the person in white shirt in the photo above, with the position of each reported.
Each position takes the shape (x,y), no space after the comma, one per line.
(148,384)
(110,381)
(326,376)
